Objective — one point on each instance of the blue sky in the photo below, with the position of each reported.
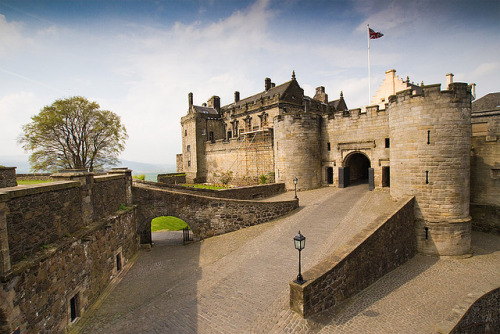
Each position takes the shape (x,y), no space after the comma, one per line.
(140,59)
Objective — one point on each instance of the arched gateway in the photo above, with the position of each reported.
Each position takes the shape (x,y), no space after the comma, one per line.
(356,169)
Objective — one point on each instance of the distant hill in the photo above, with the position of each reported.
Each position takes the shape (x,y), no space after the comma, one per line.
(23,166)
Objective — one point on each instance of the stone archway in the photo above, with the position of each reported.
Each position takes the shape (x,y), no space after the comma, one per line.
(358,164)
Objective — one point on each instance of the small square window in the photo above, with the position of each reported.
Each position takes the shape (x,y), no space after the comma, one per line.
(387,143)
(188,148)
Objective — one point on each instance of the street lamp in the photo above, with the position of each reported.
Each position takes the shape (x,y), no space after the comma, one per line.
(300,243)
(295,180)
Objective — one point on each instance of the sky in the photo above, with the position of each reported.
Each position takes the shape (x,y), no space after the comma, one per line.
(141,58)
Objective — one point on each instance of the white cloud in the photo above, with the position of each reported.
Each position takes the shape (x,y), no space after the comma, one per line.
(11,37)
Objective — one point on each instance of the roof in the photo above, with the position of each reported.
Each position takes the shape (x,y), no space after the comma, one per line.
(205,110)
(338,104)
(488,102)
(280,90)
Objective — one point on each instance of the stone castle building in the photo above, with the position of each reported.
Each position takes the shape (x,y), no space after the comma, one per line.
(415,139)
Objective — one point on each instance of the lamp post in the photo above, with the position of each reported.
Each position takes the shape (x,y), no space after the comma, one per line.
(300,243)
(295,180)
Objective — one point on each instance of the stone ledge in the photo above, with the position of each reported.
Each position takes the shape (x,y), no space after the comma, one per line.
(105,178)
(24,190)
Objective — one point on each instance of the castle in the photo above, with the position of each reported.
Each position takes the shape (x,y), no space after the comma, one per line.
(415,139)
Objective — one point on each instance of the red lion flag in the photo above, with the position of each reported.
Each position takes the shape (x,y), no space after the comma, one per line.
(375,34)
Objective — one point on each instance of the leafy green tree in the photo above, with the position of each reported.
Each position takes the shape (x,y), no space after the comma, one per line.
(73,133)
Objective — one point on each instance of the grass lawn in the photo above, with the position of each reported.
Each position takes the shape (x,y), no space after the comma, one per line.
(167,223)
(26,182)
(204,186)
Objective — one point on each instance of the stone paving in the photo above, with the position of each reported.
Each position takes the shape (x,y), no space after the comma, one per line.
(238,282)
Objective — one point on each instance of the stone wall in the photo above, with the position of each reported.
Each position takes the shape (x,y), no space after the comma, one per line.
(479,312)
(108,194)
(171,178)
(485,172)
(60,241)
(39,215)
(382,246)
(39,289)
(207,216)
(350,132)
(245,193)
(34,176)
(8,177)
(247,157)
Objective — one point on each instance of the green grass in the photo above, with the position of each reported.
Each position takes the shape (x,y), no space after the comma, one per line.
(167,223)
(27,182)
(204,186)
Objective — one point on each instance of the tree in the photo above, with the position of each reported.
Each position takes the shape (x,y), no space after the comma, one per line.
(73,133)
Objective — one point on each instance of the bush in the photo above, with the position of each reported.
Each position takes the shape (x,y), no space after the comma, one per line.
(140,177)
(263,179)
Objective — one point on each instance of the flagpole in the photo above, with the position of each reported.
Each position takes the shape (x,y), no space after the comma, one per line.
(369,74)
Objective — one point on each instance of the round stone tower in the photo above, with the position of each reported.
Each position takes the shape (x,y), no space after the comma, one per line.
(297,145)
(429,159)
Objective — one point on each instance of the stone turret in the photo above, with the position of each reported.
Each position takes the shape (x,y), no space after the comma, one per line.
(297,150)
(429,159)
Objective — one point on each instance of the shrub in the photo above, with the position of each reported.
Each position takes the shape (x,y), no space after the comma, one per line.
(140,177)
(263,179)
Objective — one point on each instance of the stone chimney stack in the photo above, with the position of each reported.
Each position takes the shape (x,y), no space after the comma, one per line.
(214,102)
(268,84)
(236,96)
(190,100)
(449,80)
(321,95)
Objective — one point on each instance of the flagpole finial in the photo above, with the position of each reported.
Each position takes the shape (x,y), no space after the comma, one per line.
(293,75)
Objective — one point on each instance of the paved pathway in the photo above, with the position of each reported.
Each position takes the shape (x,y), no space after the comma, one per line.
(238,282)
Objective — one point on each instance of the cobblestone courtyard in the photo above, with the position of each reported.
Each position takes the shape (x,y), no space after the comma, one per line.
(238,282)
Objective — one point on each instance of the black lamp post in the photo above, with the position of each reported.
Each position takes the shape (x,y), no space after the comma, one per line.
(295,180)
(300,243)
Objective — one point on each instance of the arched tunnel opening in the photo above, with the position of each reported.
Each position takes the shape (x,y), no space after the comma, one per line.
(170,231)
(358,165)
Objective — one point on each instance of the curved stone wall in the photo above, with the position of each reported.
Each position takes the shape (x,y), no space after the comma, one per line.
(297,150)
(430,159)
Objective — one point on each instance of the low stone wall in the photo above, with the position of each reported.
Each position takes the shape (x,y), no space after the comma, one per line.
(478,313)
(37,292)
(108,194)
(39,215)
(34,176)
(171,178)
(485,218)
(207,216)
(8,177)
(244,193)
(382,246)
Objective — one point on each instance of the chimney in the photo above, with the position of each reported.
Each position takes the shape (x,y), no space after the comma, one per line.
(190,100)
(268,84)
(236,96)
(321,95)
(214,102)
(449,79)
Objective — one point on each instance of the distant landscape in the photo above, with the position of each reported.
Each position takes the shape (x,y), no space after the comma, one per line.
(150,170)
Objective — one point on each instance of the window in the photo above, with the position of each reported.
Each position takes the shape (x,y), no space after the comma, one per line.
(229,135)
(387,142)
(185,132)
(189,163)
(74,311)
(188,148)
(211,136)
(328,146)
(119,262)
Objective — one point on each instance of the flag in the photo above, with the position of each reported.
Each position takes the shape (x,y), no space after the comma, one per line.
(375,34)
